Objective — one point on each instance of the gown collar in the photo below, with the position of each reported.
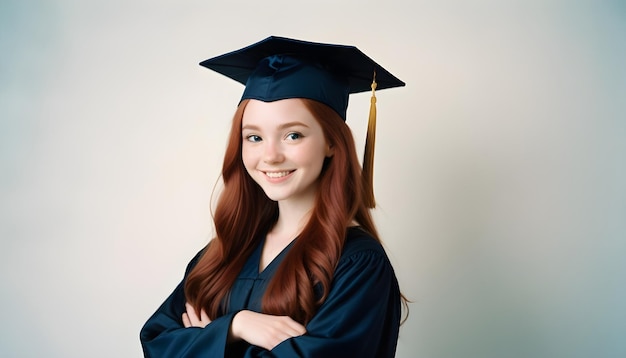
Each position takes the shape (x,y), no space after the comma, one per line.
(251,268)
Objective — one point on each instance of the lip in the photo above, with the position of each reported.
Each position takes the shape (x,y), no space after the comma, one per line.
(277,176)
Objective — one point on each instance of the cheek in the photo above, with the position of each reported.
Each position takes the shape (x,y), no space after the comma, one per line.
(313,156)
(247,157)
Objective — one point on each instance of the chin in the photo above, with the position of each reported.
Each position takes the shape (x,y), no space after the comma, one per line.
(276,197)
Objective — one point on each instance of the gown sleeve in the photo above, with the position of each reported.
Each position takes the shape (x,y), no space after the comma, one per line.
(164,334)
(360,317)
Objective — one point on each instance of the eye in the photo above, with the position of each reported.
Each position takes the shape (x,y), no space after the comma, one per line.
(253,138)
(294,136)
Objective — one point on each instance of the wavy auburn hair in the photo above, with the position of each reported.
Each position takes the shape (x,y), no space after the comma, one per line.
(244,214)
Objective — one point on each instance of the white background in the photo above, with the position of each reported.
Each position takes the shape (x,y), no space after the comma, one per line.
(500,167)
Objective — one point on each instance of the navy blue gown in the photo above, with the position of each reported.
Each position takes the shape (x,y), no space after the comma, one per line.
(360,317)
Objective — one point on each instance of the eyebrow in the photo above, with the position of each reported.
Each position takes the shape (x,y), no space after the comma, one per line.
(280,127)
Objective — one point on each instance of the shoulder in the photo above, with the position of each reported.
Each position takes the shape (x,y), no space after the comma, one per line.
(361,249)
(359,241)
(363,259)
(194,261)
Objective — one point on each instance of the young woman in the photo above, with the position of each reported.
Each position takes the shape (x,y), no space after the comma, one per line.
(296,268)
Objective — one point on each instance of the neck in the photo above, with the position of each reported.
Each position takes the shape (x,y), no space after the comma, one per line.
(292,217)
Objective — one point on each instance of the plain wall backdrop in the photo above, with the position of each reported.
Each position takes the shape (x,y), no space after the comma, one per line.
(499,175)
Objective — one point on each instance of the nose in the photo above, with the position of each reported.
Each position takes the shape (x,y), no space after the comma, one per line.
(272,152)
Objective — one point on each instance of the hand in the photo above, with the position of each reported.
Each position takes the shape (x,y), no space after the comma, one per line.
(263,330)
(191,319)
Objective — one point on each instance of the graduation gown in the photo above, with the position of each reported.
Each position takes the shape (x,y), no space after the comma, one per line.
(360,317)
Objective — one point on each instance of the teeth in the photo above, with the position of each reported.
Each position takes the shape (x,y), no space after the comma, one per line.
(276,174)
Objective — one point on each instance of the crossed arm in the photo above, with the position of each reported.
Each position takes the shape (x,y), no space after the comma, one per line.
(360,315)
(258,329)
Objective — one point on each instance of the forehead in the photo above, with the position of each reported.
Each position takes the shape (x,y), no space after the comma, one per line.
(268,114)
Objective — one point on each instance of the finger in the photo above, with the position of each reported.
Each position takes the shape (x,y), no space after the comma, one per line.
(191,313)
(278,337)
(295,331)
(283,329)
(204,317)
(186,321)
(298,331)
(292,327)
(189,308)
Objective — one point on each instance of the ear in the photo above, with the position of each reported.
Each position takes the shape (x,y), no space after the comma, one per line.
(330,150)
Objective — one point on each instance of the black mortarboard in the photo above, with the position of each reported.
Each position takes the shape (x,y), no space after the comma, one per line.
(279,68)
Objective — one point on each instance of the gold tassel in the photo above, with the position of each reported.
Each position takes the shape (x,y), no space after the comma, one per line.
(368,157)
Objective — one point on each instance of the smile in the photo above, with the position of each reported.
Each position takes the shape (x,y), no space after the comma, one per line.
(275,175)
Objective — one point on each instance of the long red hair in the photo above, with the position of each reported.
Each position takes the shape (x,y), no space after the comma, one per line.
(244,213)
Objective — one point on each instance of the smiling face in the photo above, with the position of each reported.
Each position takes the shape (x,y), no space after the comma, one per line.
(283,149)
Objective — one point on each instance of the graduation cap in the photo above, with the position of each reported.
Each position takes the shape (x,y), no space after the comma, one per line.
(279,68)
